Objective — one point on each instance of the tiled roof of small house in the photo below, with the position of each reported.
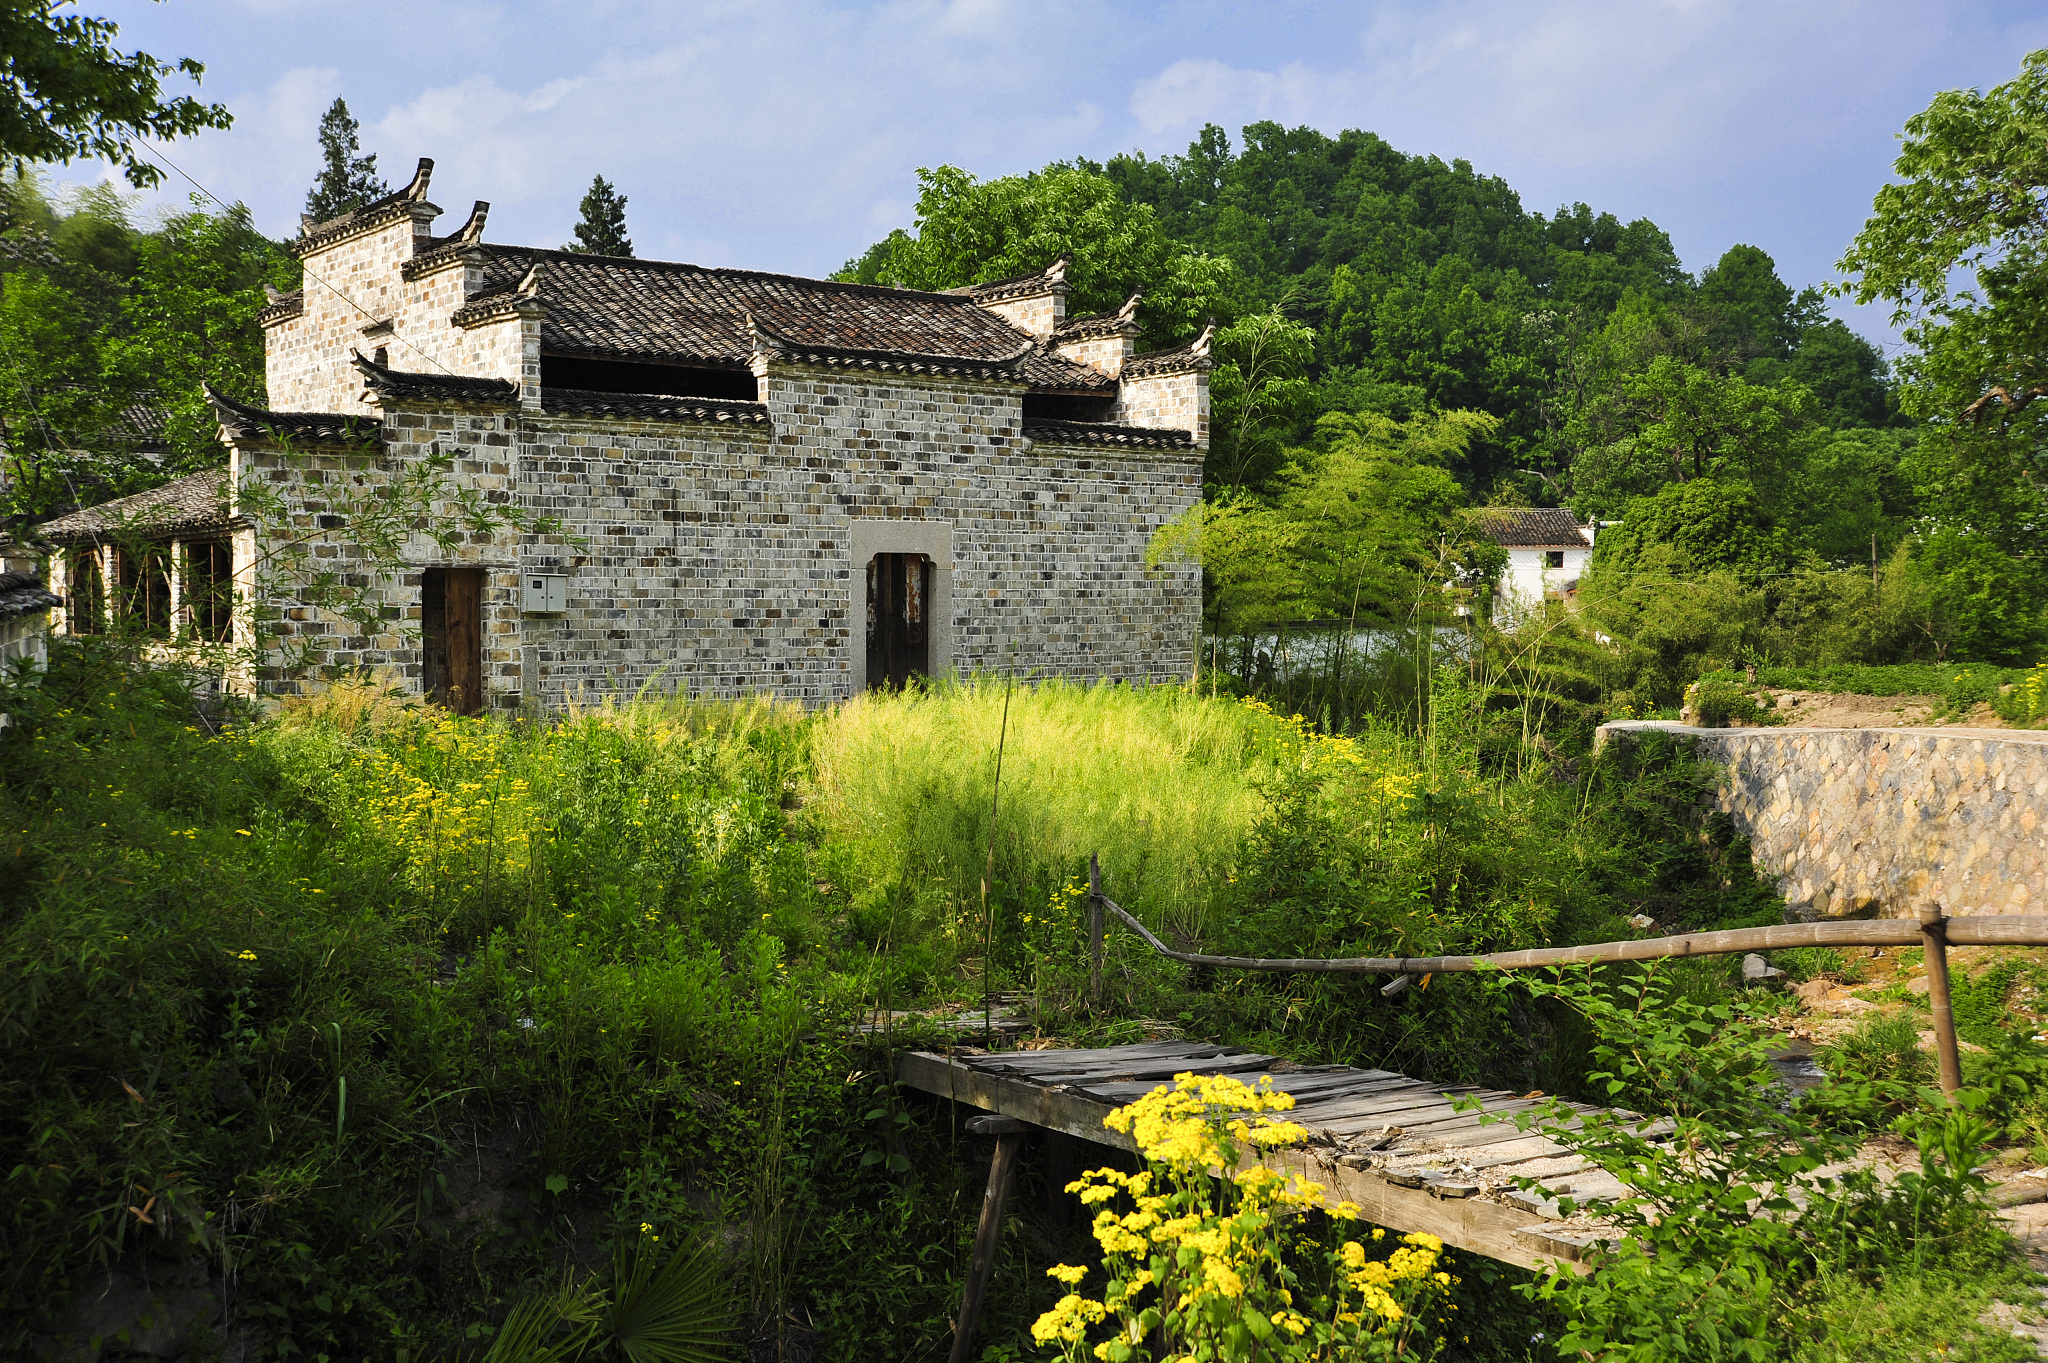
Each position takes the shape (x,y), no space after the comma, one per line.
(390,208)
(198,501)
(141,425)
(401,384)
(243,422)
(651,407)
(1102,433)
(1181,359)
(1122,322)
(24,594)
(1534,527)
(628,309)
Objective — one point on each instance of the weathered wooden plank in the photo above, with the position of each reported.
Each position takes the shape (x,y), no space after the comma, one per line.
(1056,1109)
(1090,1055)
(1156,1072)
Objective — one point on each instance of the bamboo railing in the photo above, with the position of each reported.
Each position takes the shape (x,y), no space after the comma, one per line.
(1933,930)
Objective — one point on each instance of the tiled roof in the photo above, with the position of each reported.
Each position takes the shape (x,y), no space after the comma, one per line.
(1044,370)
(651,407)
(243,422)
(1534,527)
(1186,359)
(654,310)
(197,501)
(24,594)
(401,384)
(391,208)
(283,308)
(141,424)
(1102,433)
(1008,365)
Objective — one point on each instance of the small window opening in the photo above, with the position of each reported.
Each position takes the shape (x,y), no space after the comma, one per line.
(1069,407)
(899,625)
(619,376)
(86,598)
(210,590)
(382,357)
(145,596)
(1553,558)
(452,638)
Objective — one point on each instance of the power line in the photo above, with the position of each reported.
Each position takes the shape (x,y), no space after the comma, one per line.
(157,154)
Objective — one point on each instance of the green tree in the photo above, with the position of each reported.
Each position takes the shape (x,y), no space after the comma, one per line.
(66,93)
(191,319)
(1259,393)
(1959,247)
(971,231)
(601,231)
(1708,524)
(348,180)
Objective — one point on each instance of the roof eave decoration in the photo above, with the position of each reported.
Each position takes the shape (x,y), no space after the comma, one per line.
(282,306)
(389,209)
(397,385)
(24,594)
(1052,279)
(1123,322)
(1104,434)
(774,347)
(241,423)
(464,247)
(522,301)
(1192,358)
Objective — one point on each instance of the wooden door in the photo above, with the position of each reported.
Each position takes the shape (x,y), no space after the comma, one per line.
(899,619)
(452,638)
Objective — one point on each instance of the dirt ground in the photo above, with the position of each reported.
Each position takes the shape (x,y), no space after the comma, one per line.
(1832,710)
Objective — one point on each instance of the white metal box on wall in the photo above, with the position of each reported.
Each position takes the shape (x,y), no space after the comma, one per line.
(544,594)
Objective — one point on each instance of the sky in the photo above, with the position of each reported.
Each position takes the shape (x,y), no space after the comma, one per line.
(783,135)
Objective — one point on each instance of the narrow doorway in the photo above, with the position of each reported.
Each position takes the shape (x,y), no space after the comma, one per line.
(899,625)
(452,638)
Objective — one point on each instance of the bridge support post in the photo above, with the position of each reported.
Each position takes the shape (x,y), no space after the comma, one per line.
(1934,934)
(1009,1134)
(1094,931)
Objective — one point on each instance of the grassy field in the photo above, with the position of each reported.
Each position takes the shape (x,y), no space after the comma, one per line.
(393,1019)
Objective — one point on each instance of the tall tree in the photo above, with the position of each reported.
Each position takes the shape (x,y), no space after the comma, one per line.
(348,180)
(602,229)
(65,92)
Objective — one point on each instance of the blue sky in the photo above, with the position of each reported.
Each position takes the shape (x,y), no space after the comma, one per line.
(785,135)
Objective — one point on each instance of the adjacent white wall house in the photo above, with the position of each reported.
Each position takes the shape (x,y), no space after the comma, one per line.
(1548,551)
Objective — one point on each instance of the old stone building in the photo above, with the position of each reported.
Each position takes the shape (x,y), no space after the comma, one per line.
(762,483)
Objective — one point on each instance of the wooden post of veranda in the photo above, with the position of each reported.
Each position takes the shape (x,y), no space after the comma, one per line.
(1934,934)
(1009,1134)
(1094,931)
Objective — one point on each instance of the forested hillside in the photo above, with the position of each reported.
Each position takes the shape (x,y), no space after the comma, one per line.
(1372,303)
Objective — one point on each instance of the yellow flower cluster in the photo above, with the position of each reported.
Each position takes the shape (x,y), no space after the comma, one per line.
(1311,750)
(446,803)
(1194,1252)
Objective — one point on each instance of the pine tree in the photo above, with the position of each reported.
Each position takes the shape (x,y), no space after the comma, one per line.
(602,232)
(347,181)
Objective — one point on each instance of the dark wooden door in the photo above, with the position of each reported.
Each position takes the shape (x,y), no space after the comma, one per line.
(899,619)
(452,638)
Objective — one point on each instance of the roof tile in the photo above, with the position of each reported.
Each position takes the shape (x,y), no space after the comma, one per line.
(198,501)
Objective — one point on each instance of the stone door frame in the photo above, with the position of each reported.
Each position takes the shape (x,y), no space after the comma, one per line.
(933,539)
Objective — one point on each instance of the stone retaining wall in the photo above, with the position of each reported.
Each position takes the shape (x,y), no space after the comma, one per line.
(1863,822)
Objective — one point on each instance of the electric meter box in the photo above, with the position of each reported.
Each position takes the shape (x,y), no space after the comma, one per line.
(545,594)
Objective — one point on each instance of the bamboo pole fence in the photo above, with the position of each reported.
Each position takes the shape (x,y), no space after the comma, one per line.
(1933,931)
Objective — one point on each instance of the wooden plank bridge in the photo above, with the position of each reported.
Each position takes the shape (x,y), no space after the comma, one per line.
(1410,1157)
(1395,1146)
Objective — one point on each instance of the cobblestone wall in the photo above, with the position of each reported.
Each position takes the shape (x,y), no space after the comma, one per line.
(1859,822)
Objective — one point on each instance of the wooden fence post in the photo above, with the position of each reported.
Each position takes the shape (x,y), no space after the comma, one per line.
(1009,1134)
(1934,933)
(1094,931)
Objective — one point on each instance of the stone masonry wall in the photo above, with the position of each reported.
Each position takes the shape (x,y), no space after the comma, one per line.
(720,561)
(1177,402)
(1855,822)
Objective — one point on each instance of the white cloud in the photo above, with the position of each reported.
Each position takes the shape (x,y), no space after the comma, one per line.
(1194,91)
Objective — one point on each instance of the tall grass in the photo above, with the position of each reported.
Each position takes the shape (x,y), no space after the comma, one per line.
(1163,784)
